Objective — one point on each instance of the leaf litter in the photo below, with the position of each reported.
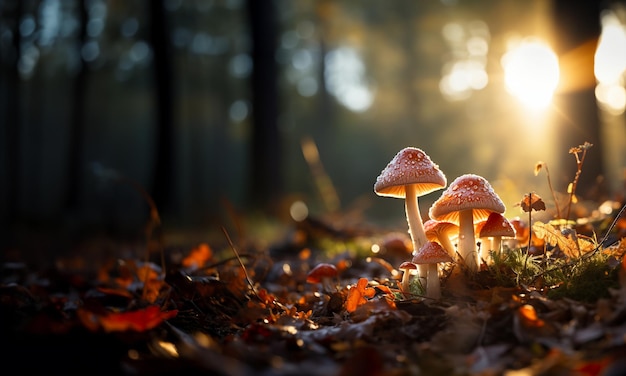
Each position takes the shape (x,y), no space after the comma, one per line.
(204,316)
(551,303)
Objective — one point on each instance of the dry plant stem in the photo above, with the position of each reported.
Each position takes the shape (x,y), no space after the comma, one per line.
(530,227)
(467,240)
(530,236)
(243,267)
(556,203)
(579,168)
(416,228)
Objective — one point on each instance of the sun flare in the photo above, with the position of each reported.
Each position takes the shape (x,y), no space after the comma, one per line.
(531,73)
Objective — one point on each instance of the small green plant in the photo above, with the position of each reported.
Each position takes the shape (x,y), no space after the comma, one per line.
(416,287)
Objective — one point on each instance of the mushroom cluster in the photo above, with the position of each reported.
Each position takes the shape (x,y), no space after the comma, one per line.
(468,200)
(411,173)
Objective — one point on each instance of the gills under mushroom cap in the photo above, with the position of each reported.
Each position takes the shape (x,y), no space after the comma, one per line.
(411,166)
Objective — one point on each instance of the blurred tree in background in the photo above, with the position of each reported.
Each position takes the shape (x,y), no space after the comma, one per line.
(252,105)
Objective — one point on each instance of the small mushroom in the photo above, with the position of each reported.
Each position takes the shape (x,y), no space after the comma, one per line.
(483,243)
(441,231)
(323,273)
(406,267)
(495,227)
(410,174)
(431,254)
(469,199)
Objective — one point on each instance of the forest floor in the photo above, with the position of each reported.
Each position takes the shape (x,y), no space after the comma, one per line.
(245,308)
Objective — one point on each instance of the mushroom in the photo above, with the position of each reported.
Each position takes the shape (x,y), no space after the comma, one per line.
(440,231)
(406,267)
(431,254)
(483,243)
(469,198)
(495,227)
(323,273)
(410,174)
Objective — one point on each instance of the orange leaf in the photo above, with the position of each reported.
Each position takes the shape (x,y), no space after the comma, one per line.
(385,289)
(528,316)
(198,256)
(357,295)
(139,320)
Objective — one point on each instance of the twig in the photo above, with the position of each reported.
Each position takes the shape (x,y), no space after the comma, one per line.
(530,235)
(556,203)
(243,267)
(579,167)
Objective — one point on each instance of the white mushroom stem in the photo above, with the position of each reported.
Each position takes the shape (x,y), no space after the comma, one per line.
(445,242)
(485,247)
(406,278)
(416,227)
(467,240)
(496,244)
(327,285)
(433,289)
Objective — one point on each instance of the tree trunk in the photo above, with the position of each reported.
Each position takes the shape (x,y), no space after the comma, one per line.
(164,177)
(266,170)
(578,23)
(77,120)
(10,146)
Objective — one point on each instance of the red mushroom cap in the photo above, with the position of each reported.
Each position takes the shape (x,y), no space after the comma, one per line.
(431,253)
(407,265)
(468,191)
(496,225)
(321,271)
(411,166)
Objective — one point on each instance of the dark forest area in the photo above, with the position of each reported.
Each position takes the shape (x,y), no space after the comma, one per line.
(243,187)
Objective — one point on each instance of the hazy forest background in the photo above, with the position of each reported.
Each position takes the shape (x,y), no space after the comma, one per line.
(218,107)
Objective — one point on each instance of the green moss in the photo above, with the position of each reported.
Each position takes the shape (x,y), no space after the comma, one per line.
(586,280)
(510,268)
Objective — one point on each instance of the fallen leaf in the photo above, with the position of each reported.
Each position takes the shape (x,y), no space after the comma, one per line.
(138,321)
(528,316)
(358,294)
(198,257)
(532,201)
